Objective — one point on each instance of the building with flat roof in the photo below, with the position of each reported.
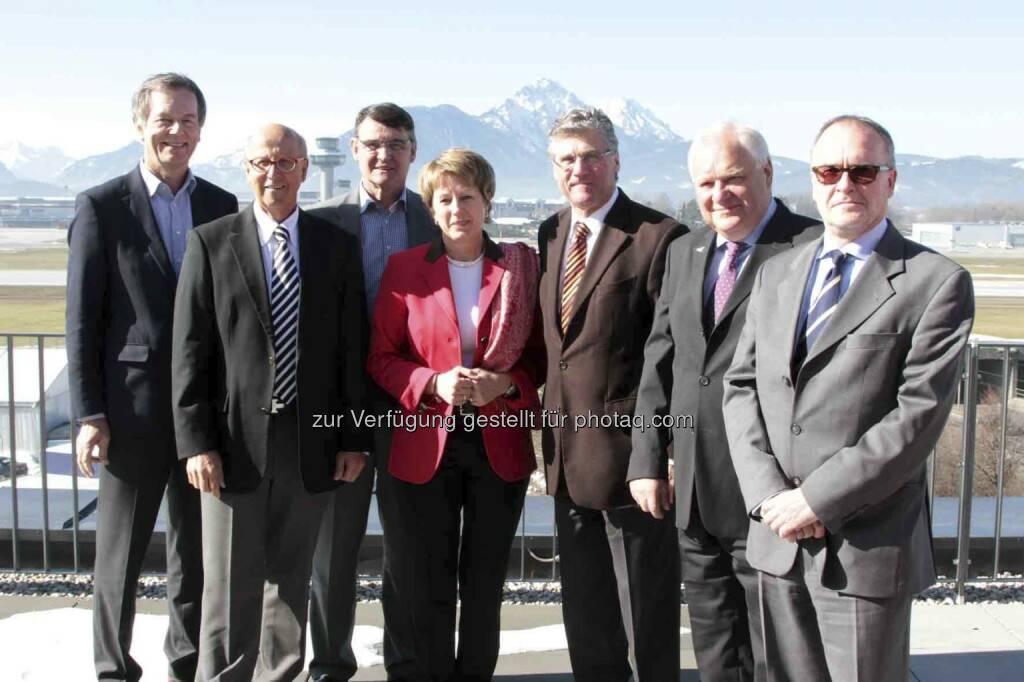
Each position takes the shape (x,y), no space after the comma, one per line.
(951,236)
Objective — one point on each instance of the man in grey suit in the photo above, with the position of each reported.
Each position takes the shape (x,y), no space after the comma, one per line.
(386,218)
(842,382)
(697,322)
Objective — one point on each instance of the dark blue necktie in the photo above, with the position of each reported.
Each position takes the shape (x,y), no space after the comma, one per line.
(822,307)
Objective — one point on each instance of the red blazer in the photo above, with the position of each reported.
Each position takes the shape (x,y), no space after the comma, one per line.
(416,335)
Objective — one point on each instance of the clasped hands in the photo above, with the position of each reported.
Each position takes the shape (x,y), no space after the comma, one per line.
(206,470)
(790,517)
(461,385)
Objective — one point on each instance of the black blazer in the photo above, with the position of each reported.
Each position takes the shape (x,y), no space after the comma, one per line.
(594,369)
(120,300)
(683,372)
(223,359)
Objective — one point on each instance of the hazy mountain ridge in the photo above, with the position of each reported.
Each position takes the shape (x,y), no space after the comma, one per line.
(513,137)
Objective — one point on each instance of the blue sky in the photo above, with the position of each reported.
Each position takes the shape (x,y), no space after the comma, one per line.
(946,78)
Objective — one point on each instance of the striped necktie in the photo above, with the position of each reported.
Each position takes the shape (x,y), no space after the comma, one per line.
(574,266)
(823,305)
(284,315)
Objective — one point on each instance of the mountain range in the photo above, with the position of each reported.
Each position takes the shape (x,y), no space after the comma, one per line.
(513,137)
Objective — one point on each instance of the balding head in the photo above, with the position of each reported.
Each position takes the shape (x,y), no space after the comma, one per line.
(275,168)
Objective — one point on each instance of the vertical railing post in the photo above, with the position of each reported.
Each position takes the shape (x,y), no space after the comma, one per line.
(40,340)
(13,421)
(963,543)
(1001,460)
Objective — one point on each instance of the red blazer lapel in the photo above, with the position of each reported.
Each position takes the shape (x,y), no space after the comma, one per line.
(436,274)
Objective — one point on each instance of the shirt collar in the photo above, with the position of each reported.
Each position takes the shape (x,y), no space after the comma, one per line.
(861,247)
(752,238)
(153,183)
(366,201)
(596,218)
(267,224)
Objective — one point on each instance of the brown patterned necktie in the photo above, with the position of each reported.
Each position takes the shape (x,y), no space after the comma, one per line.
(574,265)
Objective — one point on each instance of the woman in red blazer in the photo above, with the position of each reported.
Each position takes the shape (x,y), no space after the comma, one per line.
(456,340)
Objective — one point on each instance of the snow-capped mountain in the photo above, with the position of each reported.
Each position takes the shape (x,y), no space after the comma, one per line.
(513,137)
(32,163)
(93,170)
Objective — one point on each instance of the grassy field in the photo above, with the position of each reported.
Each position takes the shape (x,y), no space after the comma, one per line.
(982,265)
(32,309)
(1000,317)
(35,259)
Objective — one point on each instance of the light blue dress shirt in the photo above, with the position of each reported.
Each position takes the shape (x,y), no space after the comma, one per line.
(173,213)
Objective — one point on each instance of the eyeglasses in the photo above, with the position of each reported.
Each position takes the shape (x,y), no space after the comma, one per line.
(393,146)
(859,175)
(587,159)
(285,165)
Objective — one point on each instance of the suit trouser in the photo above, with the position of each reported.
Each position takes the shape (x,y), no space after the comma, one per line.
(814,633)
(620,593)
(333,598)
(465,491)
(722,600)
(257,555)
(127,508)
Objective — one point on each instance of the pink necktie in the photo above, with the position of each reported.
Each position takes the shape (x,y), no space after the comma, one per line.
(727,280)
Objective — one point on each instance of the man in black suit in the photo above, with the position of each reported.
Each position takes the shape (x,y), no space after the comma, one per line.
(601,268)
(385,218)
(708,278)
(268,362)
(126,244)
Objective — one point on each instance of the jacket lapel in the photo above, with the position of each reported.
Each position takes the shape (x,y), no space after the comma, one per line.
(610,241)
(871,289)
(419,226)
(791,295)
(138,202)
(492,272)
(244,241)
(439,281)
(553,268)
(697,266)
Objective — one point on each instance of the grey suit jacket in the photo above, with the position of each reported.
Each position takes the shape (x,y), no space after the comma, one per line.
(683,371)
(345,212)
(854,426)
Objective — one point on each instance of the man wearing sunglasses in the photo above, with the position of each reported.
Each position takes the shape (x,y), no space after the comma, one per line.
(268,361)
(384,217)
(708,278)
(842,382)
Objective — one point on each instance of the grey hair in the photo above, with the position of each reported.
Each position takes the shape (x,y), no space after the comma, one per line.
(165,82)
(890,148)
(748,138)
(581,119)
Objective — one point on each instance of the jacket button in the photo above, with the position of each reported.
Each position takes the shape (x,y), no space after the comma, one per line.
(484,339)
(703,380)
(563,365)
(797,481)
(795,428)
(787,381)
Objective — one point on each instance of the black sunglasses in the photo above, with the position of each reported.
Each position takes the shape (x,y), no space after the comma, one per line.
(860,175)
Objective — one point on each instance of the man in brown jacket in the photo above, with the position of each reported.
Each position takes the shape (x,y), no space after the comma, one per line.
(602,262)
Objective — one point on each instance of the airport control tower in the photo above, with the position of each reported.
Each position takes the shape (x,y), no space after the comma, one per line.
(327,158)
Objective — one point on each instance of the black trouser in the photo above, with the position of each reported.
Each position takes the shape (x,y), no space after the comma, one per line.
(465,489)
(126,513)
(620,593)
(722,598)
(332,605)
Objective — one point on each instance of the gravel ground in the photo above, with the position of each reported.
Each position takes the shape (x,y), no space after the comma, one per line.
(1009,589)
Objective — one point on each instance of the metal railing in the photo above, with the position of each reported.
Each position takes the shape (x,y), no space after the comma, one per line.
(990,370)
